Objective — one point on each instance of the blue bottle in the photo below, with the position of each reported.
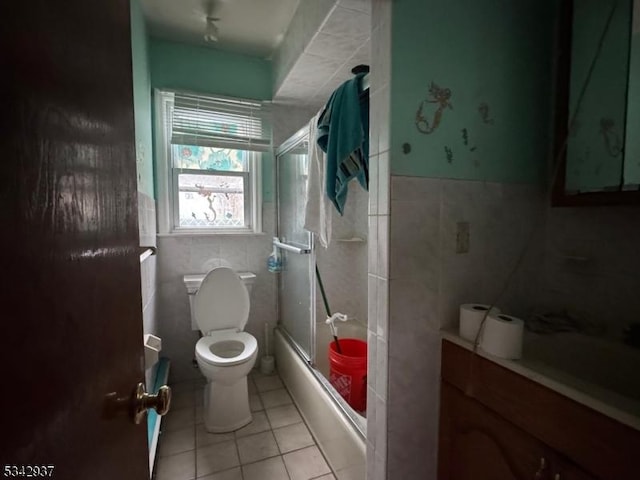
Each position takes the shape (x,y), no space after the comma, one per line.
(274,262)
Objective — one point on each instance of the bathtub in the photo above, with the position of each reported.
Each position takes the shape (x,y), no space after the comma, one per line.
(339,431)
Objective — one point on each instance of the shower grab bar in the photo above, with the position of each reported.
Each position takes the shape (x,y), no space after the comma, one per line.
(291,248)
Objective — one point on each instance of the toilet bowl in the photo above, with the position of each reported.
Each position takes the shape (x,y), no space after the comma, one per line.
(225,354)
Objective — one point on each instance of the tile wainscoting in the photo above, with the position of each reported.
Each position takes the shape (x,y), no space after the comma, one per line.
(428,281)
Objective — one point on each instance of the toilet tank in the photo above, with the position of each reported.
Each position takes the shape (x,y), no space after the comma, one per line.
(192,283)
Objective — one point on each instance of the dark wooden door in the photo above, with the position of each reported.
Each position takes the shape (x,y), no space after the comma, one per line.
(71,328)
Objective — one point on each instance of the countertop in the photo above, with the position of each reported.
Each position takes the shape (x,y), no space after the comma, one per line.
(595,372)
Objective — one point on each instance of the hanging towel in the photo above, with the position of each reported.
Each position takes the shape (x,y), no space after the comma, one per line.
(317,214)
(343,133)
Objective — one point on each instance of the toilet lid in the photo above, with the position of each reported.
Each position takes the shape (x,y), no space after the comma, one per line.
(222,301)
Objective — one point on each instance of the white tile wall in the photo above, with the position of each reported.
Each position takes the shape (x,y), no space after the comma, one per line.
(324,41)
(429,280)
(146,219)
(148,269)
(311,70)
(382,308)
(604,287)
(288,119)
(363,6)
(343,265)
(348,23)
(378,248)
(383,171)
(339,46)
(501,219)
(305,23)
(178,256)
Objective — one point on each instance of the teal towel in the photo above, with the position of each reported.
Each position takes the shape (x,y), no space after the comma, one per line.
(343,134)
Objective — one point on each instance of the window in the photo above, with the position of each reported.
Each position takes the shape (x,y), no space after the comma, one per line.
(209,151)
(211,185)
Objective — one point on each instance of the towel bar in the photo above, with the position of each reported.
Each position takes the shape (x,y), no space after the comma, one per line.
(292,248)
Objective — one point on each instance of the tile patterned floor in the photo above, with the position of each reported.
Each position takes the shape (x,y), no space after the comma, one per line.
(276,445)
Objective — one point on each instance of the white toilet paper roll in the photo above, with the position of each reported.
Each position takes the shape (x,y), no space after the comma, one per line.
(502,336)
(471,315)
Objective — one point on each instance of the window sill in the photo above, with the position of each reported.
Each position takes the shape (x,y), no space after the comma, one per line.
(211,234)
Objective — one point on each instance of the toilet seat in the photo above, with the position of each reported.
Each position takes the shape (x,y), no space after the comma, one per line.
(205,344)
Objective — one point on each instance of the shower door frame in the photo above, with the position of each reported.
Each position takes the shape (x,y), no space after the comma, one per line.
(310,356)
(359,423)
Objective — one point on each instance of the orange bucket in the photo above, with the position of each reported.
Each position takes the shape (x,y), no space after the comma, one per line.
(348,371)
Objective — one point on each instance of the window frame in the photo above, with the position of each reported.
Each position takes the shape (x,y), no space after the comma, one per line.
(168,211)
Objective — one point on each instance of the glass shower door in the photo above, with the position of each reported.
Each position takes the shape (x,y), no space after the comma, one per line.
(296,292)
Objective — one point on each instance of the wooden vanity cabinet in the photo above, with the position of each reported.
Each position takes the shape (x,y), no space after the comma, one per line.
(498,425)
(477,444)
(563,469)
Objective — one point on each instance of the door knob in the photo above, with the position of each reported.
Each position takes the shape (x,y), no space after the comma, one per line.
(141,401)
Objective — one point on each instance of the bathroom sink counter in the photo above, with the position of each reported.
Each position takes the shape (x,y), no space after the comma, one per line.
(574,366)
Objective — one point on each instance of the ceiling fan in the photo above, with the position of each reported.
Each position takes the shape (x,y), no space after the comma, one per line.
(211,30)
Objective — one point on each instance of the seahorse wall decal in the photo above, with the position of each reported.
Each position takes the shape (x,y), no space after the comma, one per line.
(612,143)
(439,96)
(449,153)
(483,108)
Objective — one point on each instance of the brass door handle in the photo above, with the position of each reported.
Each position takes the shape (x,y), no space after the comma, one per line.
(141,401)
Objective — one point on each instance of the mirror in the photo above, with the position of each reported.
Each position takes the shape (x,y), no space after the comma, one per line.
(600,86)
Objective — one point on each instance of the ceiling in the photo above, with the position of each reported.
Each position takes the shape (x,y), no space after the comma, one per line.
(336,42)
(250,27)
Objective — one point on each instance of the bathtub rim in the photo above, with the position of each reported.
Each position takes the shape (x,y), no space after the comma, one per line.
(358,422)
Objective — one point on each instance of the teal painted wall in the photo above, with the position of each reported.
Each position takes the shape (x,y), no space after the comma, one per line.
(206,70)
(177,66)
(142,100)
(632,142)
(494,52)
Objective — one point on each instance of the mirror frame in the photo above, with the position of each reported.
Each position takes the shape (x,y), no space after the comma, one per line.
(559,198)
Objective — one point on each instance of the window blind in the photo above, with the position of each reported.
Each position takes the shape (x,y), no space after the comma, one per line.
(219,122)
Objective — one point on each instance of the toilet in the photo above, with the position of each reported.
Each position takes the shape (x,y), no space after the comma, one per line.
(225,354)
